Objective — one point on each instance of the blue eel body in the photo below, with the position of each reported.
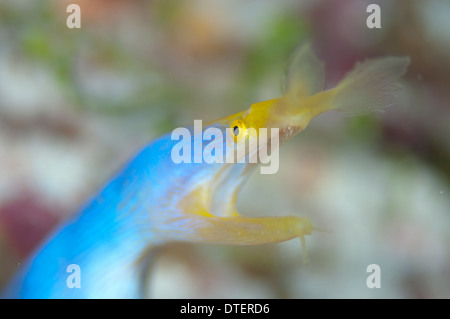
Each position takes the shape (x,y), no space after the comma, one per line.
(110,238)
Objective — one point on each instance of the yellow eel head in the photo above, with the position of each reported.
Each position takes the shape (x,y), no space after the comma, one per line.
(230,148)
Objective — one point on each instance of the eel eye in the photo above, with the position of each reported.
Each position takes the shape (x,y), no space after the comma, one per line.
(238,130)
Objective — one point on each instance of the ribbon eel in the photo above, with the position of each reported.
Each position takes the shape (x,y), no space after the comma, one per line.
(157,198)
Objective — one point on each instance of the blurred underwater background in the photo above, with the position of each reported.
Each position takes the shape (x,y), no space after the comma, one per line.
(76,104)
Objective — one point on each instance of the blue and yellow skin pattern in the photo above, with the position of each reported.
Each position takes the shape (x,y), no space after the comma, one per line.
(153,200)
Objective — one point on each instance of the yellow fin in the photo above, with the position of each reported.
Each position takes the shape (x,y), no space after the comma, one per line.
(370,86)
(305,74)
